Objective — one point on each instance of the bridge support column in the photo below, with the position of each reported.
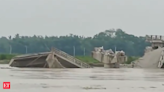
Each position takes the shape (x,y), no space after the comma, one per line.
(53,61)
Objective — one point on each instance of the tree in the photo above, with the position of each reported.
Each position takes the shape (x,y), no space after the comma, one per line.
(132,45)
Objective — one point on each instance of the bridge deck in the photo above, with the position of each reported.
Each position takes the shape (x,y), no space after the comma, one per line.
(65,59)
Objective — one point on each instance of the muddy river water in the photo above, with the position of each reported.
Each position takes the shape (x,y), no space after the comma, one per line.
(82,80)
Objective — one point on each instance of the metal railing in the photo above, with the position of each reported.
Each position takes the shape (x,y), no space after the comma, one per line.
(71,58)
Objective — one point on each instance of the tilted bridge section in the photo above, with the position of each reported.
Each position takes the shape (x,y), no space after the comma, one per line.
(39,60)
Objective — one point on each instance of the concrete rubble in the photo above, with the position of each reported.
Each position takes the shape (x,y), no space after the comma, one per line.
(53,62)
(109,58)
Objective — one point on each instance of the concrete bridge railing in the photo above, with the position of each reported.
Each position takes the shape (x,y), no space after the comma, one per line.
(71,58)
(161,60)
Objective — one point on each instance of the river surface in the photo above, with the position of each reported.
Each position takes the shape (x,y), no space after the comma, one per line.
(82,80)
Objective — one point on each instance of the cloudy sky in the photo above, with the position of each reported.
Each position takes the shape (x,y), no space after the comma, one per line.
(81,17)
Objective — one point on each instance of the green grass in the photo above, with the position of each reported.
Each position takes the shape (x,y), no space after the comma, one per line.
(131,59)
(87,59)
(5,58)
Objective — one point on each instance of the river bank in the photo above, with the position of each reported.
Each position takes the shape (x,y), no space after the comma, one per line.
(5,59)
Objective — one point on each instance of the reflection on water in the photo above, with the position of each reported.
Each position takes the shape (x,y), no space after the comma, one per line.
(92,80)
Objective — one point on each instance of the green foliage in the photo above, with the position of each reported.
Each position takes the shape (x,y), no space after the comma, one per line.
(6,56)
(131,59)
(87,59)
(132,45)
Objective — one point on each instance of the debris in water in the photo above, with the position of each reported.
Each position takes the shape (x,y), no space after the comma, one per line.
(94,87)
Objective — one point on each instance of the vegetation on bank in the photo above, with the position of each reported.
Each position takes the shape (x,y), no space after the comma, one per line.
(72,44)
(90,60)
(5,58)
(87,59)
(131,59)
(131,44)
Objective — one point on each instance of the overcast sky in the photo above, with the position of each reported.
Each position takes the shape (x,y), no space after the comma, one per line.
(81,17)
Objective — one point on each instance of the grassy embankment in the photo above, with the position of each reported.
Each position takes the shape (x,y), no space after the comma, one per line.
(5,58)
(87,59)
(131,59)
(91,60)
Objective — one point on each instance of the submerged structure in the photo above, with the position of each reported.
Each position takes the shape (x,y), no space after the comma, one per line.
(109,58)
(54,59)
(154,54)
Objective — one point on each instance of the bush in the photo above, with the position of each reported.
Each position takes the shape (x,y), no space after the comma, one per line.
(6,56)
(87,59)
(131,59)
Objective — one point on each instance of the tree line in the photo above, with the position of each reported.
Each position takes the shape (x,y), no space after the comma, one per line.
(74,44)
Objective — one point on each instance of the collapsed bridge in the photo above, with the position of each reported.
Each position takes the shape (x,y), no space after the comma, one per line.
(54,59)
(154,54)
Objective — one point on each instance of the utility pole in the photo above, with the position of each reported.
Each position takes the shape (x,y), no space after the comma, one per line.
(115,49)
(84,51)
(47,47)
(74,51)
(26,49)
(10,49)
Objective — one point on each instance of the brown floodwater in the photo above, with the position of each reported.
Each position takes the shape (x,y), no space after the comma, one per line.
(82,80)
